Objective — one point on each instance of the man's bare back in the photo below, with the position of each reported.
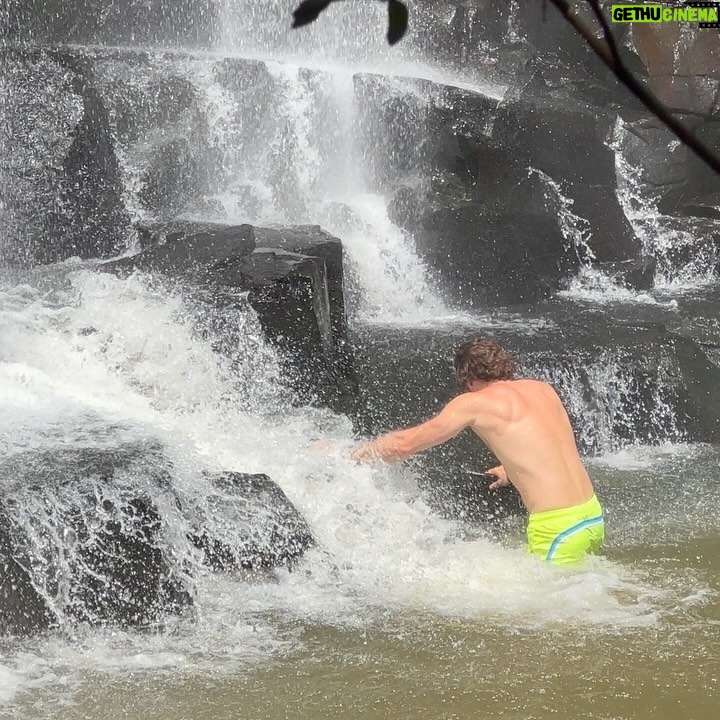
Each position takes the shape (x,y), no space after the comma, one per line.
(523,422)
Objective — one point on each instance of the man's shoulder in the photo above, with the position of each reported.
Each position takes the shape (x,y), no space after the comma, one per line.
(511,394)
(525,385)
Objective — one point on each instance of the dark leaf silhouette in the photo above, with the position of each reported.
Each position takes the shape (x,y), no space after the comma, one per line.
(397,21)
(308,11)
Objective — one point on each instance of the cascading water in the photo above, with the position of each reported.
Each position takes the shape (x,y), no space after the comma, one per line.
(684,251)
(122,371)
(626,405)
(106,362)
(293,159)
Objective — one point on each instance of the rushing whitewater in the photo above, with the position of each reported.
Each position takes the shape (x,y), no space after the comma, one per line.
(144,373)
(92,361)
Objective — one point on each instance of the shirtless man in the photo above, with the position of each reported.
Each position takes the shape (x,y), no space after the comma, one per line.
(524,423)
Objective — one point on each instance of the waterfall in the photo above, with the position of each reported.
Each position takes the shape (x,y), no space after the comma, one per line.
(294,158)
(127,404)
(614,401)
(683,249)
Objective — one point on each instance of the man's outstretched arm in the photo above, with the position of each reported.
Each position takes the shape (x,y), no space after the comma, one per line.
(401,444)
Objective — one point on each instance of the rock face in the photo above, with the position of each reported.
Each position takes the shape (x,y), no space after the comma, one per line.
(83,537)
(79,540)
(682,67)
(254,525)
(110,21)
(22,609)
(294,283)
(520,191)
(63,189)
(528,45)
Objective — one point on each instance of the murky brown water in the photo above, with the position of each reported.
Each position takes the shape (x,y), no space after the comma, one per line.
(432,667)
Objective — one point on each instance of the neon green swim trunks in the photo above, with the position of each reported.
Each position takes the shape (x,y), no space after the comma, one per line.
(564,536)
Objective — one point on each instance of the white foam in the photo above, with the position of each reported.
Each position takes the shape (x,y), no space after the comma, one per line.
(381,552)
(636,457)
(594,286)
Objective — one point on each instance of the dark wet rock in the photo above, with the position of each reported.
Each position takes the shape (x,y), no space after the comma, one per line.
(92,220)
(176,173)
(466,497)
(650,147)
(481,34)
(497,192)
(22,609)
(489,257)
(243,76)
(297,296)
(82,530)
(558,134)
(312,241)
(705,206)
(688,78)
(289,292)
(672,173)
(188,249)
(62,184)
(492,254)
(127,576)
(634,274)
(251,525)
(701,178)
(701,379)
(135,110)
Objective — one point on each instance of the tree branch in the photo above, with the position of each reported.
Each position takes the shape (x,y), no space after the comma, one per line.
(607,32)
(607,51)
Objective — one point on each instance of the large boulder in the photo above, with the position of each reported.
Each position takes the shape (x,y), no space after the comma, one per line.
(311,240)
(81,539)
(248,523)
(297,295)
(461,33)
(682,70)
(670,173)
(492,255)
(682,67)
(505,197)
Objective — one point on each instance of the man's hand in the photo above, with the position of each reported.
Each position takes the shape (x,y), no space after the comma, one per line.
(501,475)
(321,447)
(365,453)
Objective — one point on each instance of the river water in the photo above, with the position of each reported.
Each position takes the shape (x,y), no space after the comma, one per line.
(398,612)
